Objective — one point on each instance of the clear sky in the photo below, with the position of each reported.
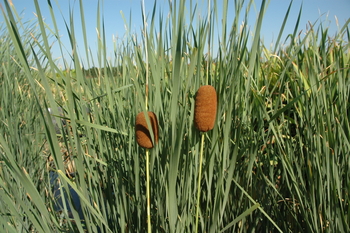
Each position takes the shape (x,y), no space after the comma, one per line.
(324,10)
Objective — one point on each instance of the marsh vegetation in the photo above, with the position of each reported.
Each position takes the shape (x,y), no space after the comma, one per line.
(277,159)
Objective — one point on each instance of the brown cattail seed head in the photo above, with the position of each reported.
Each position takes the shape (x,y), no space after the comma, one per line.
(205,108)
(143,135)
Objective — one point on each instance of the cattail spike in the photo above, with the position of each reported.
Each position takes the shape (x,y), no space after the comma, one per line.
(143,135)
(205,108)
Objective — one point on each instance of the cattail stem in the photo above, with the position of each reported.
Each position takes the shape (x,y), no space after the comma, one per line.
(149,228)
(146,94)
(199,180)
(148,193)
(209,43)
(146,51)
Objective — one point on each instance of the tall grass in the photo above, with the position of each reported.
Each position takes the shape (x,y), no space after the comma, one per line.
(277,159)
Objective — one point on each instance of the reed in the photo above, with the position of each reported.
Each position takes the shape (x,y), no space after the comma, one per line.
(204,119)
(147,138)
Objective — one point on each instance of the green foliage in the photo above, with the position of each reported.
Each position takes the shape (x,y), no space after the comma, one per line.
(277,159)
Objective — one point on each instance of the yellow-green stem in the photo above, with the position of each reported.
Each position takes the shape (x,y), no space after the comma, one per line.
(199,181)
(148,196)
(148,193)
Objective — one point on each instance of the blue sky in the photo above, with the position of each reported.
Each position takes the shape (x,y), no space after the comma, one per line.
(323,10)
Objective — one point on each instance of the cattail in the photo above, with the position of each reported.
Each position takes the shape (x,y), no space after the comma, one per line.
(205,108)
(143,135)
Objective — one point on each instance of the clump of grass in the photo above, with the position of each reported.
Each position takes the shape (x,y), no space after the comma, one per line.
(143,134)
(276,159)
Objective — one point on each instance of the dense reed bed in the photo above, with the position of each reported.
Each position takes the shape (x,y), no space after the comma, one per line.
(276,160)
